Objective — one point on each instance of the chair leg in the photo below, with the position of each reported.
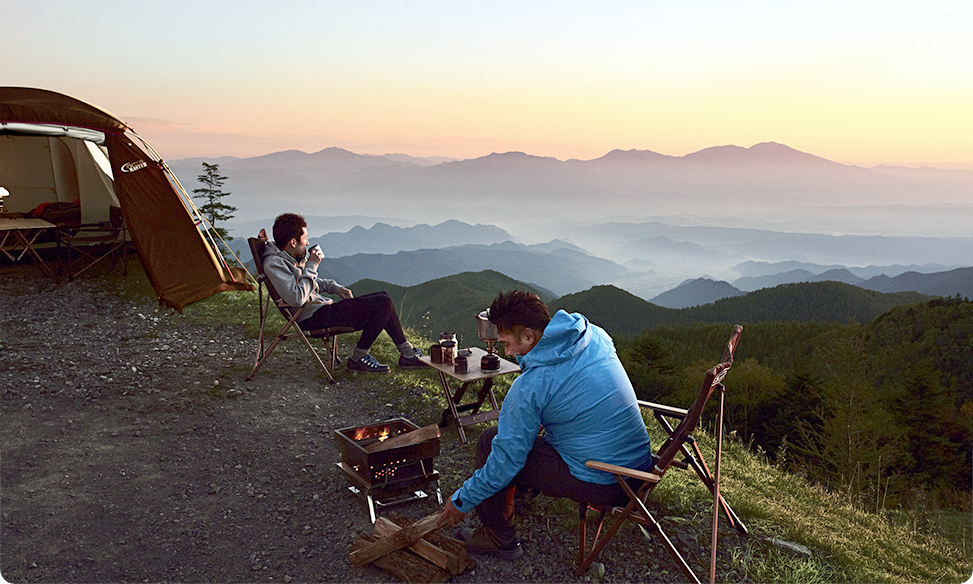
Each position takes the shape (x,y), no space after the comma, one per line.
(310,347)
(261,352)
(583,533)
(582,528)
(643,517)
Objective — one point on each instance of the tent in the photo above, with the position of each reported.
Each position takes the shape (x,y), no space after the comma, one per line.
(56,149)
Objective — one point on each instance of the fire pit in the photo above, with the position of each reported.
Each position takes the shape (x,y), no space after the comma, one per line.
(390,462)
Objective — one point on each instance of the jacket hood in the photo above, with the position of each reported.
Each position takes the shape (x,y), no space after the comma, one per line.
(565,336)
(271,249)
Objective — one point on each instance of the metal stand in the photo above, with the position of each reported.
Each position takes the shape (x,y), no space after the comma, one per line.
(716,484)
(378,496)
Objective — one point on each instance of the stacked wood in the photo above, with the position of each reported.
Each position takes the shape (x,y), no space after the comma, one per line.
(412,552)
(405,439)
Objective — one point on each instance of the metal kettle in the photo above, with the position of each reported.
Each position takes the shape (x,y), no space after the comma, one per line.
(486,330)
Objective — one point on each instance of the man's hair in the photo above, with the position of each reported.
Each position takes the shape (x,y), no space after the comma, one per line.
(519,309)
(287,227)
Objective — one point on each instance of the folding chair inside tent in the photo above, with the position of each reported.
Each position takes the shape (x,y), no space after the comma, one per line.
(636,510)
(291,328)
(93,242)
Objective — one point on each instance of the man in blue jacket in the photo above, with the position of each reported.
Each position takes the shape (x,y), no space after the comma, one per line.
(572,385)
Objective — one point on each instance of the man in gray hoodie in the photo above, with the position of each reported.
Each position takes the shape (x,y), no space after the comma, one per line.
(293,270)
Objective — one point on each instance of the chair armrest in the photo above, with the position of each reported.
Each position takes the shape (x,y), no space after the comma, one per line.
(625,472)
(664,409)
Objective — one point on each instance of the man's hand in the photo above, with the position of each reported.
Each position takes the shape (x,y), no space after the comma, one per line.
(345,293)
(315,255)
(450,515)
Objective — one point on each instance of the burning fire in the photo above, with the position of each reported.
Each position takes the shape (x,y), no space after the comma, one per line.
(362,433)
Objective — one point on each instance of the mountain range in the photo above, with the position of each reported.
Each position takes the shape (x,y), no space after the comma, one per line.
(707,291)
(560,271)
(452,303)
(417,254)
(636,219)
(502,187)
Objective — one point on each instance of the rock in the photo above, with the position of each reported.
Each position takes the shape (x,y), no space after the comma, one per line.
(791,547)
(596,570)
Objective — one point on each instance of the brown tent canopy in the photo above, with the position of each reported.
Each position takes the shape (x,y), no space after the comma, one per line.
(181,264)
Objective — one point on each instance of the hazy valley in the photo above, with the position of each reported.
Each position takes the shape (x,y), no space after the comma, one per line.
(644,222)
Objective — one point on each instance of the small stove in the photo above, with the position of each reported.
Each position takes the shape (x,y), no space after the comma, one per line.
(385,476)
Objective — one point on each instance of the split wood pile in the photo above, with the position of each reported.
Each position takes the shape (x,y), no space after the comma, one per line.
(412,552)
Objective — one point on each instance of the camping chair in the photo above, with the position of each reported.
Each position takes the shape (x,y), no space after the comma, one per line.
(291,329)
(636,510)
(93,242)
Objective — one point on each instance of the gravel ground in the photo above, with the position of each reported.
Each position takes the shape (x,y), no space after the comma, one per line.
(134,451)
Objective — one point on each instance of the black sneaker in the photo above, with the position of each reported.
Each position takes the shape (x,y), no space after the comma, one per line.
(412,362)
(367,364)
(481,541)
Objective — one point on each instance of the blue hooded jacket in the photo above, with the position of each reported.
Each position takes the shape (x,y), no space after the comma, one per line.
(576,388)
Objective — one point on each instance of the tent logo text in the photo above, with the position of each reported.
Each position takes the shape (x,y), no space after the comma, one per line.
(133,166)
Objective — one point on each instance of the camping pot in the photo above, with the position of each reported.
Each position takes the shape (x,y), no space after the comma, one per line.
(486,329)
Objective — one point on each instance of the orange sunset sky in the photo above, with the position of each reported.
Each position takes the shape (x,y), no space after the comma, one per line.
(856,82)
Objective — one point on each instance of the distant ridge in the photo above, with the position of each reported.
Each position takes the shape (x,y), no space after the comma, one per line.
(950,283)
(382,238)
(451,304)
(635,181)
(448,304)
(562,271)
(622,313)
(695,293)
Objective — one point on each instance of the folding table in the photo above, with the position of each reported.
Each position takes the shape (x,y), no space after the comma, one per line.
(19,235)
(474,373)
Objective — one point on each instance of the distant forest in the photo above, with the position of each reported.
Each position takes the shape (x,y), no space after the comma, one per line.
(880,410)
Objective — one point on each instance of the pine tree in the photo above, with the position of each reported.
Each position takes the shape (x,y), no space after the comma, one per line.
(213,210)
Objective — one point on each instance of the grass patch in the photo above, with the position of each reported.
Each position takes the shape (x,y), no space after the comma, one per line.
(849,543)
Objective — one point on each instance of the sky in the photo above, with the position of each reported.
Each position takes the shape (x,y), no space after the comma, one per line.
(883,82)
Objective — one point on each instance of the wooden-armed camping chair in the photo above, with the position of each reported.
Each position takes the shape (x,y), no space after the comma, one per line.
(636,510)
(93,242)
(291,328)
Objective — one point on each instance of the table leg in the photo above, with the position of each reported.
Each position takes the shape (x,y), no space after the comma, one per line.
(29,249)
(20,239)
(451,406)
(3,245)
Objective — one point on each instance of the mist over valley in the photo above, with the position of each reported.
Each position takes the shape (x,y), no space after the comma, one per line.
(642,221)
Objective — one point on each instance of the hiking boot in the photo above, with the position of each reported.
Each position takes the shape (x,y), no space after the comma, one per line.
(412,362)
(483,541)
(367,364)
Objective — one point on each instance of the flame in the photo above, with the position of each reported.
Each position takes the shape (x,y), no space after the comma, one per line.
(363,433)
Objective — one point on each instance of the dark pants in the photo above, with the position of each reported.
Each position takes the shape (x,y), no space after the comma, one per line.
(370,314)
(544,471)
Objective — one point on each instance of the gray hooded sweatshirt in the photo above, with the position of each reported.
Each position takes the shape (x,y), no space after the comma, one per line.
(297,281)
